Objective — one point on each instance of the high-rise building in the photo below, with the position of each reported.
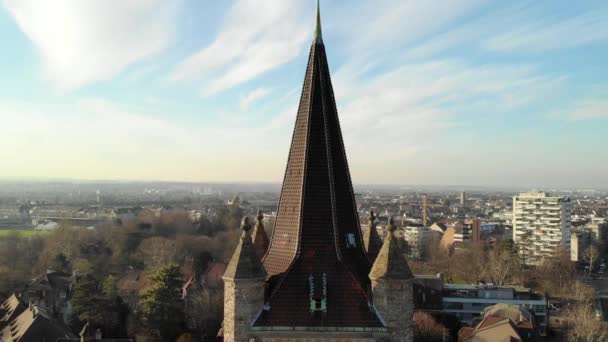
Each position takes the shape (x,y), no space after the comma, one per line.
(463,199)
(541,225)
(316,281)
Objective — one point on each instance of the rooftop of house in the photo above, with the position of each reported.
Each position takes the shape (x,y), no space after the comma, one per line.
(34,325)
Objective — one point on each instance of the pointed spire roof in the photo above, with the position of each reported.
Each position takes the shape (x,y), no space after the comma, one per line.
(318,38)
(391,262)
(371,239)
(245,264)
(259,237)
(316,241)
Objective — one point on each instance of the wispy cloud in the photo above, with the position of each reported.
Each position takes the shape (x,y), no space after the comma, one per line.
(249,45)
(253,96)
(553,33)
(583,110)
(81,42)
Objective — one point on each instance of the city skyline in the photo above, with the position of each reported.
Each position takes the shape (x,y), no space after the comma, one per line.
(469,92)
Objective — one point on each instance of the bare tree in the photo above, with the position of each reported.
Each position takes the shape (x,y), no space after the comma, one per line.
(469,262)
(427,329)
(500,265)
(591,255)
(585,326)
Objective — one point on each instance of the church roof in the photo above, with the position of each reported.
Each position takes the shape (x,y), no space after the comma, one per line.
(245,264)
(371,239)
(316,259)
(391,262)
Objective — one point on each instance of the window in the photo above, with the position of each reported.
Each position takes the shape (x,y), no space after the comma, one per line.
(350,240)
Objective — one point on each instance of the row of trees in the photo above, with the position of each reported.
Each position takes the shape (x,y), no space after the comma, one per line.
(475,263)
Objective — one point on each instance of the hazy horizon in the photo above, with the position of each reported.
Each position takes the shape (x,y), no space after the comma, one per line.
(484,93)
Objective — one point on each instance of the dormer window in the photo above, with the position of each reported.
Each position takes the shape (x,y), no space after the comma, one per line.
(350,240)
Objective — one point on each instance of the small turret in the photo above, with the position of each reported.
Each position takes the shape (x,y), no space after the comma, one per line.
(392,288)
(259,237)
(371,239)
(244,286)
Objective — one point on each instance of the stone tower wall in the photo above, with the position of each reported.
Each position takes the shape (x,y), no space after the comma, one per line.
(243,300)
(393,300)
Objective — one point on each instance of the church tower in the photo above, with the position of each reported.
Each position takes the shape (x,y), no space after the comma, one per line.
(318,283)
(244,284)
(392,288)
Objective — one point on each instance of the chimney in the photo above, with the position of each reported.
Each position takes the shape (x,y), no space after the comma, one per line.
(425,219)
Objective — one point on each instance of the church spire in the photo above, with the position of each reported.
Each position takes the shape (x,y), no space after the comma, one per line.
(371,239)
(245,264)
(318,33)
(259,237)
(391,262)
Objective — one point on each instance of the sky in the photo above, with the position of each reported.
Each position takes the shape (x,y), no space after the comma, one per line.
(454,92)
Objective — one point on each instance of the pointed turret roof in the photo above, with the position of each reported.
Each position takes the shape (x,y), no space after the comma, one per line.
(245,264)
(316,241)
(371,239)
(391,262)
(259,237)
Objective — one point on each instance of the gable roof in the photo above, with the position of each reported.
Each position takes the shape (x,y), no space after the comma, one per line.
(34,325)
(10,309)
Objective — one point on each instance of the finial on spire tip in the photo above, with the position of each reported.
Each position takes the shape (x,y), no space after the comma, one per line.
(318,34)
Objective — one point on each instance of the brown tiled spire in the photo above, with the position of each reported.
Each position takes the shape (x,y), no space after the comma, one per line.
(245,264)
(371,239)
(259,237)
(391,262)
(316,246)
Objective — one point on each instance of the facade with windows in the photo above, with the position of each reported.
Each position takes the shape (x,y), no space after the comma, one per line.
(467,302)
(541,225)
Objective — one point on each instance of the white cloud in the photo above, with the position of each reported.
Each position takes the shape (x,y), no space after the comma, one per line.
(586,109)
(406,105)
(99,139)
(255,37)
(81,42)
(390,24)
(546,34)
(253,96)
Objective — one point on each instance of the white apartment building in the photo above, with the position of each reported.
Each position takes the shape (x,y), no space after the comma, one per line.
(541,224)
(417,239)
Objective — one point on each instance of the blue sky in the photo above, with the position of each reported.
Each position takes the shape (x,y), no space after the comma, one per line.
(461,92)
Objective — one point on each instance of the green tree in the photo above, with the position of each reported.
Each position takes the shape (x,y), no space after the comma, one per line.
(161,304)
(88,302)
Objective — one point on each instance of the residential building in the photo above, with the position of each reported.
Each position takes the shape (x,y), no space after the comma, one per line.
(501,322)
(471,303)
(580,240)
(52,293)
(541,225)
(29,323)
(599,228)
(468,302)
(418,239)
